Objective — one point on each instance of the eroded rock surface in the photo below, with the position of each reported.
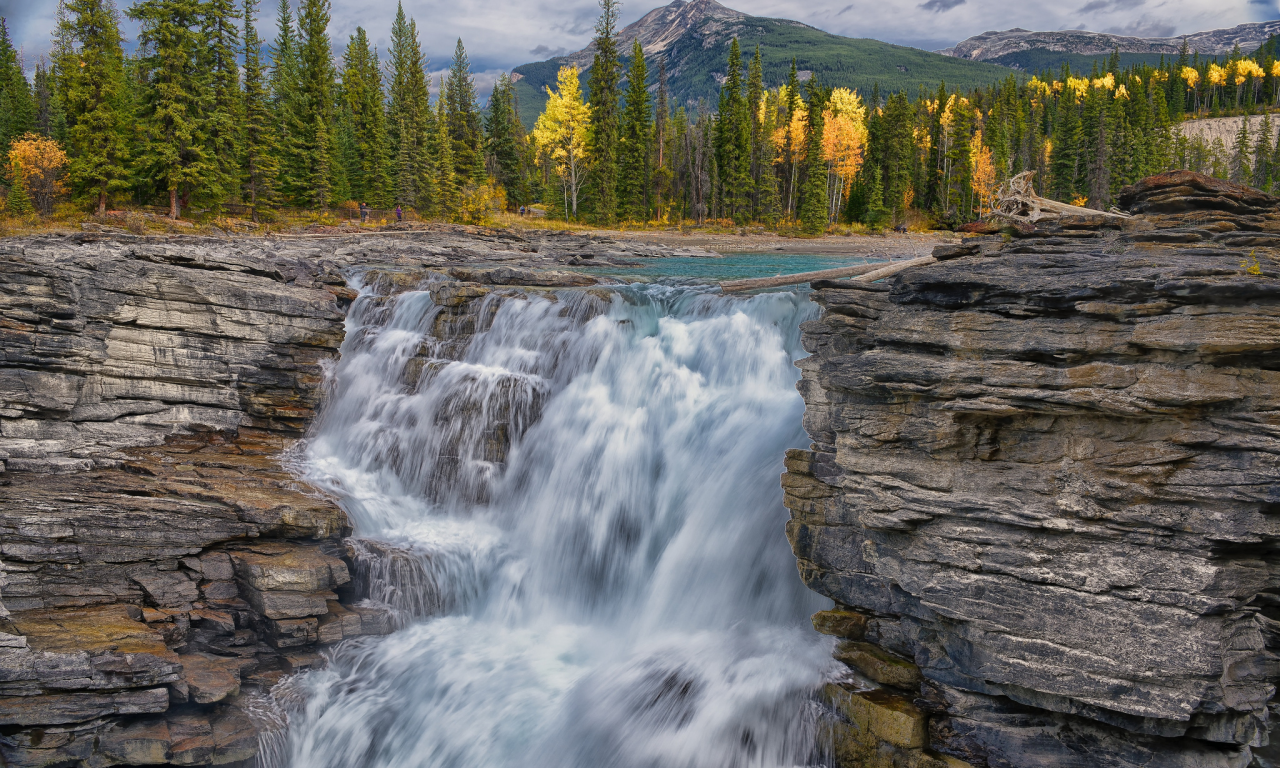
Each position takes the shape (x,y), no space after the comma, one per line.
(1044,475)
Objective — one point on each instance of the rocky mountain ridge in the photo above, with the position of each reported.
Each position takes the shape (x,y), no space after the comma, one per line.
(993,45)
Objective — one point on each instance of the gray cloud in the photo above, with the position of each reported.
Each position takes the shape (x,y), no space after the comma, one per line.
(544,52)
(845,10)
(1144,28)
(941,6)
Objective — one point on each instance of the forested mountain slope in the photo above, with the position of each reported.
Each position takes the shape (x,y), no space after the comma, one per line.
(693,38)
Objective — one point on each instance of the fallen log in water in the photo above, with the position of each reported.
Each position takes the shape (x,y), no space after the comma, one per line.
(863,273)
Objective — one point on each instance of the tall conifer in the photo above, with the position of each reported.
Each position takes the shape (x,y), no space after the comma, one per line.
(315,144)
(259,164)
(409,119)
(505,140)
(459,93)
(733,136)
(447,200)
(813,197)
(175,151)
(219,54)
(603,87)
(286,103)
(363,102)
(17,110)
(92,92)
(634,140)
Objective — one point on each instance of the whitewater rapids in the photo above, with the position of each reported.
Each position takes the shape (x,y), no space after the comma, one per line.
(575,514)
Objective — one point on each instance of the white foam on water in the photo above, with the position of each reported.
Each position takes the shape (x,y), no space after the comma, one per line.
(586,538)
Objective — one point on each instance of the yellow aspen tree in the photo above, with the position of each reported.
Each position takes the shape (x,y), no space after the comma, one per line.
(984,174)
(844,141)
(561,135)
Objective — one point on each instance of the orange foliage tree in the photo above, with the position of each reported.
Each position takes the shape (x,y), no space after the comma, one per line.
(984,174)
(39,164)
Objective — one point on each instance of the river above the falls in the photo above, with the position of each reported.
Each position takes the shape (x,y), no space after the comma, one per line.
(572,503)
(731,266)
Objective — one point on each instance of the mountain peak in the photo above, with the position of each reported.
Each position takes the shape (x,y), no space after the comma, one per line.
(993,45)
(664,25)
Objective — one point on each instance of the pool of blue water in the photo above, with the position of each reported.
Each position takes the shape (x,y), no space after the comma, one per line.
(733,266)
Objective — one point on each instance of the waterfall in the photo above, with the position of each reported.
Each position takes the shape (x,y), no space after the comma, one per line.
(571,502)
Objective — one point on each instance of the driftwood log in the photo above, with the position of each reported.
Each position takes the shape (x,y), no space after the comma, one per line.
(864,273)
(1016,200)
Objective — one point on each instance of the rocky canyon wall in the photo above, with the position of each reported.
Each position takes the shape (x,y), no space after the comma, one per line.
(1043,494)
(159,564)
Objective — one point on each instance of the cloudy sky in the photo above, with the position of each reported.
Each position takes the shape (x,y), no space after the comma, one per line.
(500,34)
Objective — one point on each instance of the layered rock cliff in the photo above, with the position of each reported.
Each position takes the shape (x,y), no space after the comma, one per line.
(159,564)
(1042,493)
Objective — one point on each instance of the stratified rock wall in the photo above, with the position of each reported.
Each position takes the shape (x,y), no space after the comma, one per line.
(1045,474)
(159,565)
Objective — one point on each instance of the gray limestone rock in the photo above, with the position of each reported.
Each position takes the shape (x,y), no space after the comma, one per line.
(1046,475)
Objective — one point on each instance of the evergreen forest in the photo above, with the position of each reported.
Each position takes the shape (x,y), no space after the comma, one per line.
(211,112)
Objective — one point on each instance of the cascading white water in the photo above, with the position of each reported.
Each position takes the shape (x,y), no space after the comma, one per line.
(580,525)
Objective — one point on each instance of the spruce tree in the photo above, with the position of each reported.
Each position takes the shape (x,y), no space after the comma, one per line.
(603,87)
(259,164)
(1240,172)
(813,198)
(367,170)
(219,54)
(763,182)
(505,140)
(459,93)
(634,140)
(448,200)
(50,120)
(286,104)
(92,91)
(409,119)
(314,143)
(17,110)
(733,135)
(18,203)
(175,152)
(1263,172)
(662,175)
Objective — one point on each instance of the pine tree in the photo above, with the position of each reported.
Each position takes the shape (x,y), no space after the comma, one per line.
(409,116)
(603,87)
(18,203)
(259,164)
(367,170)
(50,119)
(733,134)
(1240,171)
(218,53)
(763,180)
(813,198)
(448,199)
(1263,172)
(661,157)
(175,151)
(17,110)
(286,103)
(92,85)
(505,143)
(314,142)
(634,142)
(464,119)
